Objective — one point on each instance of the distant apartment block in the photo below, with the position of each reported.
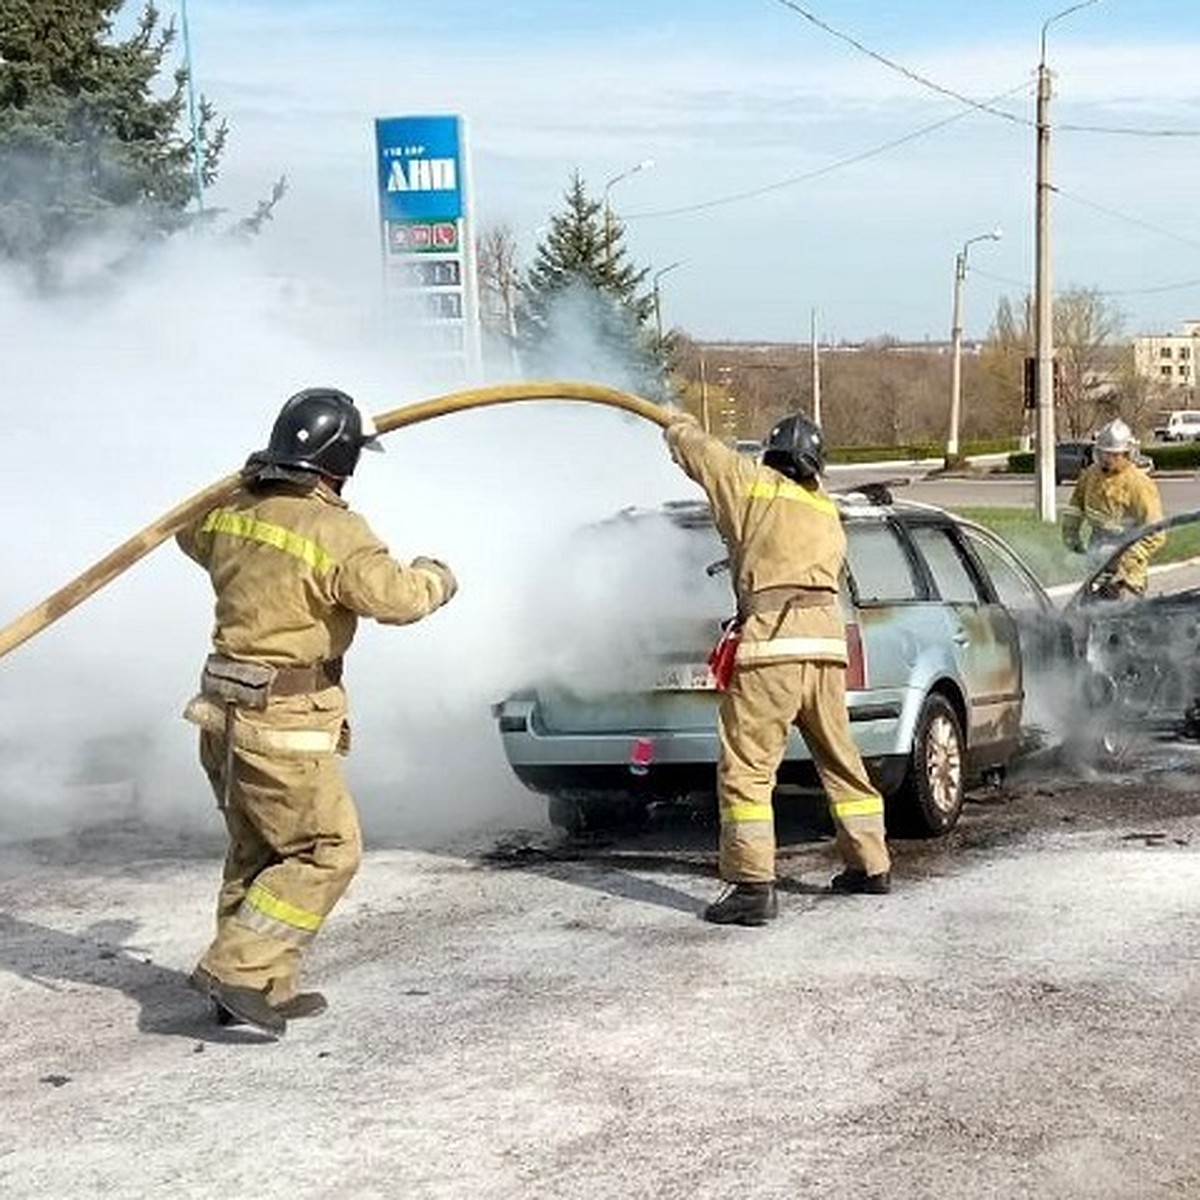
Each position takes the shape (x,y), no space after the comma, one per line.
(1169,359)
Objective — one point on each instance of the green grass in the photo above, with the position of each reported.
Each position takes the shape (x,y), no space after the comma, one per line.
(1040,544)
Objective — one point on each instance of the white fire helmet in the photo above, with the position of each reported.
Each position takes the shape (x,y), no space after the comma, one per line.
(1115,438)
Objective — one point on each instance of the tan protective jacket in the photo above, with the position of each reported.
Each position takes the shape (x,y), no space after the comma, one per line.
(293,570)
(1112,506)
(779,534)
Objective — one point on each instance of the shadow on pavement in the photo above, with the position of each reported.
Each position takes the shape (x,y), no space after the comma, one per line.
(100,956)
(673,841)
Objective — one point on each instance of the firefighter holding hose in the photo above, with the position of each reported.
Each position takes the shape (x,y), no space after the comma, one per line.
(786,549)
(293,569)
(1113,497)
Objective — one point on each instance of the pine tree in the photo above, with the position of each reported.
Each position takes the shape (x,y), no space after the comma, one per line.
(87,144)
(580,310)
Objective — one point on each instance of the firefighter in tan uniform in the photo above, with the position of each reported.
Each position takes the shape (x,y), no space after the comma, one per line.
(787,549)
(293,569)
(1113,497)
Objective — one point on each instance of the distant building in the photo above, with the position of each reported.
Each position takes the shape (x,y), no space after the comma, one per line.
(1169,359)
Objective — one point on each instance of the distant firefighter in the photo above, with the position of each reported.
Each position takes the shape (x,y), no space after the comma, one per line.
(1112,498)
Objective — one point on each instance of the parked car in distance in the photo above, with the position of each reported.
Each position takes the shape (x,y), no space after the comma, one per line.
(1071,457)
(1177,425)
(944,625)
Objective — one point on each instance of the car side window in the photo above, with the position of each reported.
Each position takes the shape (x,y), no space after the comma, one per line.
(879,566)
(1014,588)
(951,575)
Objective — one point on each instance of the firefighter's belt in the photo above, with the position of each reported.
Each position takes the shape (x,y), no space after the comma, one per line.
(251,685)
(786,596)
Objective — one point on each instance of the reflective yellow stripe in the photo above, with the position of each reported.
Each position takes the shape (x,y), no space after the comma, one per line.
(792,647)
(270,905)
(225,520)
(748,812)
(859,806)
(765,489)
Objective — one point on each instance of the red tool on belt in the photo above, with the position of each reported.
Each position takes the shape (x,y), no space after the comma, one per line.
(720,658)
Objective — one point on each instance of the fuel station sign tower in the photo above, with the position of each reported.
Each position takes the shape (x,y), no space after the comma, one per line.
(427,241)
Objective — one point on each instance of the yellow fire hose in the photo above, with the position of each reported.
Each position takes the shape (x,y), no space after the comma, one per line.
(127,553)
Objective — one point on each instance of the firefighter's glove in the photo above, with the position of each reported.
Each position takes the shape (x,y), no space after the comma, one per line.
(445,575)
(1114,589)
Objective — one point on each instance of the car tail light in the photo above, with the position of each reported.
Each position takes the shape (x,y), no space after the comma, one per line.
(856,671)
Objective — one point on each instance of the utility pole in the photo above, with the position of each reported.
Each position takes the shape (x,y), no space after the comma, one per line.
(816,368)
(1043,301)
(1043,307)
(705,421)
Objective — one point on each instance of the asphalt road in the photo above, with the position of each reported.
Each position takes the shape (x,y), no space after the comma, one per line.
(515,1017)
(1180,492)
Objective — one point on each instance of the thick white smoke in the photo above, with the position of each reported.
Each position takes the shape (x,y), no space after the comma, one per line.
(122,403)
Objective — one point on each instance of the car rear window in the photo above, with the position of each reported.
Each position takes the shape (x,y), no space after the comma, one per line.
(951,575)
(880,569)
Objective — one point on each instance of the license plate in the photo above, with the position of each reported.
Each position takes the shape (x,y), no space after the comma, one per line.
(685,677)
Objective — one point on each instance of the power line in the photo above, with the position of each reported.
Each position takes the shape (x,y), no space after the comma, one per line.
(1130,132)
(827,169)
(982,106)
(1183,285)
(891,64)
(1120,216)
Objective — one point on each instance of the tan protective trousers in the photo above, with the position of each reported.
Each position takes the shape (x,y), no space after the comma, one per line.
(294,846)
(757,712)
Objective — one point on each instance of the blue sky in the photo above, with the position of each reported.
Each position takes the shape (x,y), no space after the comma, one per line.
(744,96)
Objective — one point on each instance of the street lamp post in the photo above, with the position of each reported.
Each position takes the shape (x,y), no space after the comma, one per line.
(644,165)
(658,329)
(956,334)
(1043,301)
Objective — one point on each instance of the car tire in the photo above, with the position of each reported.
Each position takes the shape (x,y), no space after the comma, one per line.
(930,800)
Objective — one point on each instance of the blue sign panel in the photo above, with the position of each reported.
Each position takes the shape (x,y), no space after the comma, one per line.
(420,168)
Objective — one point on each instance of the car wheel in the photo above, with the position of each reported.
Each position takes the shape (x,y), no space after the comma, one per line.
(930,800)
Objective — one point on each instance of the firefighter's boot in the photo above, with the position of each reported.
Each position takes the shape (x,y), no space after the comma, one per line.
(302,1004)
(744,904)
(247,1005)
(855,881)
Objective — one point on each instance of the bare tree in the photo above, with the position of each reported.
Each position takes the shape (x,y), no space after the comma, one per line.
(496,264)
(1092,384)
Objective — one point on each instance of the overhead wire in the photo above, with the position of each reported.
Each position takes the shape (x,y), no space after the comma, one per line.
(908,73)
(828,168)
(982,106)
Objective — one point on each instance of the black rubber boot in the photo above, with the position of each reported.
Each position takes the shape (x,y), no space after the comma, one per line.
(855,881)
(247,1005)
(744,904)
(302,1004)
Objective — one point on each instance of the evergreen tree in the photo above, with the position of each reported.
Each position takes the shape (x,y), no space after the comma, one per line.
(87,145)
(580,310)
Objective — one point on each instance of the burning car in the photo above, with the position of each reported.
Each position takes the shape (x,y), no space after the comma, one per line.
(944,624)
(1140,657)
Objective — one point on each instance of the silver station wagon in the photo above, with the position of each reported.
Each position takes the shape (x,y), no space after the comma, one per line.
(944,624)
